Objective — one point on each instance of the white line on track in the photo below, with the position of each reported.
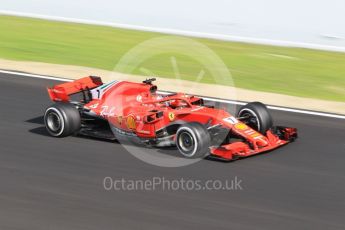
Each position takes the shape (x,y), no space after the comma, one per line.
(34,75)
(206,98)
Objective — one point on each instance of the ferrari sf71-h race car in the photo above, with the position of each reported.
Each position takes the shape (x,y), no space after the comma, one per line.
(127,110)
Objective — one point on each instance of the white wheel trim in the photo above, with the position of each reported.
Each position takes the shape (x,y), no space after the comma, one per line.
(253,113)
(61,119)
(194,138)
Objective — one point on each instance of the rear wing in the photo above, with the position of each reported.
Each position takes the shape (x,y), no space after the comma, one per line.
(62,92)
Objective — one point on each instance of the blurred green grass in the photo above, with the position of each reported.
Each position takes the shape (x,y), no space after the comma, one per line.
(291,71)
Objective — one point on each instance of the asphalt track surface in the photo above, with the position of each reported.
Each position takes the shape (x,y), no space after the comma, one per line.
(52,183)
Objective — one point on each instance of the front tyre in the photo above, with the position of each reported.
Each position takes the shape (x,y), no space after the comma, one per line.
(62,119)
(256,116)
(193,140)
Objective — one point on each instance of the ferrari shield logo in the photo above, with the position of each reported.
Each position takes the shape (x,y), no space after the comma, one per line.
(171,116)
(131,123)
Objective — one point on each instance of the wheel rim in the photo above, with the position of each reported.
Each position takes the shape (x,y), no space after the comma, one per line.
(186,143)
(251,119)
(54,122)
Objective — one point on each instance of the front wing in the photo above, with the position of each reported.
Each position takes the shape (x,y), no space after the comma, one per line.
(277,137)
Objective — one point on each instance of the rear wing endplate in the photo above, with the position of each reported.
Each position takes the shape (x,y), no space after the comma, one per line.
(62,92)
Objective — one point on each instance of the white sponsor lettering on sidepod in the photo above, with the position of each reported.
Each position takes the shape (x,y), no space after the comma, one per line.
(107,111)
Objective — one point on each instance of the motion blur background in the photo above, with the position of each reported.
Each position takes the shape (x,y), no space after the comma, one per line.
(291,48)
(308,21)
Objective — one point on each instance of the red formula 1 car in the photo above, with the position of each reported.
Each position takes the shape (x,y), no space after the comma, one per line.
(123,109)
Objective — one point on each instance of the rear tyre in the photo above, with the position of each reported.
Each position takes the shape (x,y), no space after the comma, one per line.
(193,140)
(256,116)
(62,119)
